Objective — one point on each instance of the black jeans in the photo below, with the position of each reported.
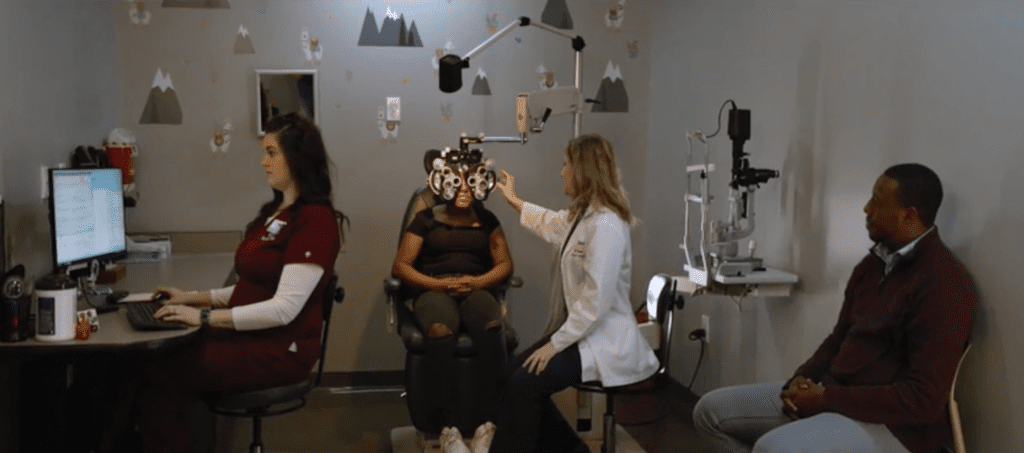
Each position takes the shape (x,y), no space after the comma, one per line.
(527,419)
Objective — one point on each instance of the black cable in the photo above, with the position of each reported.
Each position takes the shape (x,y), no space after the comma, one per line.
(697,368)
(720,109)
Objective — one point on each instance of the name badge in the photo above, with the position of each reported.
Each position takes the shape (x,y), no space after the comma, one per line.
(274,228)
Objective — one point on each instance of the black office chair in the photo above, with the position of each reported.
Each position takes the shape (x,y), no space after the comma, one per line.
(257,404)
(662,299)
(470,406)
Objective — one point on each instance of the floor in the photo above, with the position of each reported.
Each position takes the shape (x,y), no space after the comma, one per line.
(352,423)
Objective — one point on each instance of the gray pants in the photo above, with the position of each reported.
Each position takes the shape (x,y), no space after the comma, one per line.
(474,312)
(749,418)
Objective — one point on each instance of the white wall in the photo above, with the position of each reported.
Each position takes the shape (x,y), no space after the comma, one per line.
(838,92)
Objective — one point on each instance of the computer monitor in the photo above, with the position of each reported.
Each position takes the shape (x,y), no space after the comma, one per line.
(86,217)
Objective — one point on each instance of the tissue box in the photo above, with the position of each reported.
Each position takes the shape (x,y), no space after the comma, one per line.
(147,248)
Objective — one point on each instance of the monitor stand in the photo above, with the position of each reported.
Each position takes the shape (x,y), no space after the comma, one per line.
(95,296)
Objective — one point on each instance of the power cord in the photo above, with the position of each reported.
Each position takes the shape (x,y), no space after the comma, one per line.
(697,334)
(720,109)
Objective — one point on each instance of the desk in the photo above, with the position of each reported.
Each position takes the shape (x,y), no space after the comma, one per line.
(187,271)
(115,335)
(115,338)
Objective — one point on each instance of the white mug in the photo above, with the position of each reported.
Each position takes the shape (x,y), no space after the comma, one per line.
(55,313)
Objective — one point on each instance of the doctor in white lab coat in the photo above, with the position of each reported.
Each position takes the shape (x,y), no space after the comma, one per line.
(592,334)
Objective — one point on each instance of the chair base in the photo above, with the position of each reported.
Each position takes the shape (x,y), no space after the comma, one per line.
(406,439)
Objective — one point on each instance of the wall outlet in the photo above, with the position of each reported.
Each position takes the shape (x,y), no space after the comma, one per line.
(705,323)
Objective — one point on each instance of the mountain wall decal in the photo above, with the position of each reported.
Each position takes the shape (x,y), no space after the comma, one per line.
(392,33)
(370,35)
(611,95)
(556,14)
(480,85)
(243,42)
(162,106)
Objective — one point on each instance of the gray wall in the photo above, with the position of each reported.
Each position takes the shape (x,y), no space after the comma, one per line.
(57,91)
(838,92)
(183,187)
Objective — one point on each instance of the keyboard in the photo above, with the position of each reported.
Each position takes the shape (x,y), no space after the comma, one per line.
(140,315)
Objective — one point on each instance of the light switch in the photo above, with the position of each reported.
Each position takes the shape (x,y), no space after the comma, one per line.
(394,110)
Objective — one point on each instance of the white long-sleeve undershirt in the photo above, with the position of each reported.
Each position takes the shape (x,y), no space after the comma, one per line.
(298,281)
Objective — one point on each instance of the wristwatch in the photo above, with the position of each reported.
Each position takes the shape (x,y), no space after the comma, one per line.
(204,317)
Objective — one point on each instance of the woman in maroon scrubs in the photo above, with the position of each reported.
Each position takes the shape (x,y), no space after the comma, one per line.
(265,330)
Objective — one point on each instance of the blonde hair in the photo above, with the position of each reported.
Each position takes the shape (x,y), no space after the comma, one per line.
(595,177)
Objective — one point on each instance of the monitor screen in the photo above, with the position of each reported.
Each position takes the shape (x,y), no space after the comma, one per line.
(86,215)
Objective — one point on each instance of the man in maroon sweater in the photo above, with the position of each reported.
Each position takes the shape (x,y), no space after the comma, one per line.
(880,381)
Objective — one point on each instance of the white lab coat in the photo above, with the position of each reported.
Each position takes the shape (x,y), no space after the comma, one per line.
(593,275)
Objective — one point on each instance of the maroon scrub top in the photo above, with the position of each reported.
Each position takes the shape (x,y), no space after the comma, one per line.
(279,355)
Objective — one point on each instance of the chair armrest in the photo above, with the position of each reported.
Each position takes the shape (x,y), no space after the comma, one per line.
(391,286)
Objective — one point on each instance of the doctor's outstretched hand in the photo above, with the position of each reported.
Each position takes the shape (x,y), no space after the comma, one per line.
(507,184)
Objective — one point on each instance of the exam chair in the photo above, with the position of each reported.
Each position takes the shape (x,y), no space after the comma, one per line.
(471,406)
(257,404)
(662,300)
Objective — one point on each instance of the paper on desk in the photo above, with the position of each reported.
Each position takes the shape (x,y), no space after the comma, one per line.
(137,297)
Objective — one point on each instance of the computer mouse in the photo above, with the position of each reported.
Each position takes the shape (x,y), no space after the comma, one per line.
(161,296)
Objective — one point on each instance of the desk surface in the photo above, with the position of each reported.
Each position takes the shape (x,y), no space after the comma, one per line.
(188,271)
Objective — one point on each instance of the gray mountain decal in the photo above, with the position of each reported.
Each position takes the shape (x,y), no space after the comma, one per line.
(392,33)
(611,95)
(480,85)
(162,106)
(556,14)
(243,42)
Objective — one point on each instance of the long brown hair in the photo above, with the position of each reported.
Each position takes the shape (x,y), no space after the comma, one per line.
(304,150)
(595,177)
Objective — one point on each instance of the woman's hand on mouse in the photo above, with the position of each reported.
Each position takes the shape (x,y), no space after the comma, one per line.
(174,295)
(179,313)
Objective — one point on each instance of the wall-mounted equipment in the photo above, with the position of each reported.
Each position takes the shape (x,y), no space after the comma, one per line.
(716,263)
(532,109)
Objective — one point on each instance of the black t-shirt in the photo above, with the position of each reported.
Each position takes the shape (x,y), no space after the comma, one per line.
(453,250)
